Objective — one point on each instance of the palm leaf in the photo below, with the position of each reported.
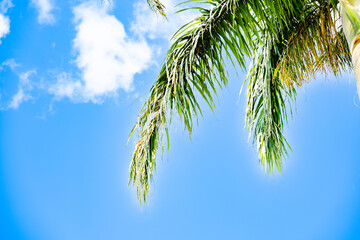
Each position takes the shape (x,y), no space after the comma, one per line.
(157,7)
(271,32)
(266,104)
(316,44)
(310,42)
(194,63)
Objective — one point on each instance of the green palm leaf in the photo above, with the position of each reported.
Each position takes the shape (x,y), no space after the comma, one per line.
(315,43)
(157,7)
(194,63)
(309,43)
(288,42)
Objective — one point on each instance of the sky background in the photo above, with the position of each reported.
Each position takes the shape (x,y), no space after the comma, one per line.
(73,77)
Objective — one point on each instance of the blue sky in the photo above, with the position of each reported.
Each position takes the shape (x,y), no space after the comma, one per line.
(74,75)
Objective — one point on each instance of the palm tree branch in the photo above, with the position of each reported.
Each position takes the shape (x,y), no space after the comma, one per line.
(157,7)
(317,44)
(266,108)
(195,66)
(311,41)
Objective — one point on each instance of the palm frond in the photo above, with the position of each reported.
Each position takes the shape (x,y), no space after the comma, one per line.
(194,63)
(267,104)
(157,7)
(316,44)
(310,42)
(288,40)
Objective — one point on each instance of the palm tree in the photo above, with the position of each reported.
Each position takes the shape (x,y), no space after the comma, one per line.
(288,42)
(350,13)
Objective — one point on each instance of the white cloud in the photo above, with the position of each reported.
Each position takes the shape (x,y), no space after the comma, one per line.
(153,26)
(24,86)
(4,20)
(11,63)
(108,4)
(5,5)
(45,8)
(66,86)
(22,94)
(18,98)
(4,26)
(106,56)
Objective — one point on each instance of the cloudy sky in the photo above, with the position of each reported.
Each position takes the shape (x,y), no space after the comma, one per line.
(73,77)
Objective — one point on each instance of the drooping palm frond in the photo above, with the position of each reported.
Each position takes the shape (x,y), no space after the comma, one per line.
(267,104)
(195,61)
(194,64)
(288,40)
(311,41)
(267,96)
(316,44)
(157,7)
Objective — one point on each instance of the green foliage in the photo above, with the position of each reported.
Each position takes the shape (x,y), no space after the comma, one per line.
(315,42)
(288,42)
(309,43)
(157,7)
(266,104)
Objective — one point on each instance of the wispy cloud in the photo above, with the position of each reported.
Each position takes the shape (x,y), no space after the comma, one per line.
(11,63)
(4,20)
(44,8)
(24,88)
(5,5)
(108,4)
(106,56)
(66,86)
(24,85)
(20,97)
